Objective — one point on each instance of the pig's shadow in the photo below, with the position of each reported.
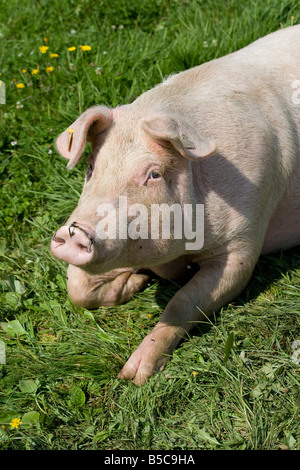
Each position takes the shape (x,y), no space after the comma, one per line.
(268,270)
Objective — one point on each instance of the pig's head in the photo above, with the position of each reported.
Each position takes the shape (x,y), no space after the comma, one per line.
(137,161)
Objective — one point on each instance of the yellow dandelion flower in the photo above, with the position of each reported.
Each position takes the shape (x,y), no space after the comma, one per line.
(45,40)
(44,49)
(20,85)
(49,69)
(24,70)
(149,315)
(53,56)
(34,71)
(195,373)
(85,48)
(15,423)
(71,49)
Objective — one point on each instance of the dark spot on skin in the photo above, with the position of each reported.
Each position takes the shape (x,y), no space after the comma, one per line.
(141,247)
(153,340)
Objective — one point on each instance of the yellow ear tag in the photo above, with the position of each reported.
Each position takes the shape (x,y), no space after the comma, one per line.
(70,132)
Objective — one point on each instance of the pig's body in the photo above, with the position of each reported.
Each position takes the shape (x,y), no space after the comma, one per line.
(225,134)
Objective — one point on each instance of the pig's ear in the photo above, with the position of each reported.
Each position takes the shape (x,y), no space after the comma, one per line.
(71,142)
(181,135)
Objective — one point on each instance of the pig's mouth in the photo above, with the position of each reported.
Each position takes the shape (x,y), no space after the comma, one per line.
(74,244)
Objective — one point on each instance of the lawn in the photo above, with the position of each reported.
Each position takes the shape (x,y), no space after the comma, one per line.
(234,383)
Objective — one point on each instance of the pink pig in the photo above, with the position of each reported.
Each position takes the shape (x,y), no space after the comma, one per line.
(224,136)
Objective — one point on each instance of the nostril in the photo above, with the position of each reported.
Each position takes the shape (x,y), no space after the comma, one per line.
(87,247)
(82,247)
(58,240)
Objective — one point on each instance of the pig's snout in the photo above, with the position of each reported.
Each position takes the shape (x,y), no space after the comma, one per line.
(74,244)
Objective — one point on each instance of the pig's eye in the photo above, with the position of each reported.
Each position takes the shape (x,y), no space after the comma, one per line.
(154,175)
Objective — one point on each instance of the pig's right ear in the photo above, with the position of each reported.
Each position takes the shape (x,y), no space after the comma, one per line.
(71,142)
(181,135)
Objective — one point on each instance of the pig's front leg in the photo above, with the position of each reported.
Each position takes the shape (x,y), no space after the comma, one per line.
(112,288)
(218,282)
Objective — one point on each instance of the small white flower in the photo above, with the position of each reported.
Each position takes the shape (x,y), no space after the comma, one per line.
(105,52)
(50,151)
(19,105)
(214,42)
(13,143)
(113,26)
(205,44)
(73,31)
(121,26)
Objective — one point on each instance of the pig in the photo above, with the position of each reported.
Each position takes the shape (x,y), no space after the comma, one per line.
(224,135)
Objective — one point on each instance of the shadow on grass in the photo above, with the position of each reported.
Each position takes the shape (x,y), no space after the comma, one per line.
(269,270)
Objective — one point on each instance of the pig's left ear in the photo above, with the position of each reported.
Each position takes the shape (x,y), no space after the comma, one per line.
(181,135)
(71,142)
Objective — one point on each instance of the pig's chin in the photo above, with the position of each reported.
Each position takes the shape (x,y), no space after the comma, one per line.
(104,258)
(99,266)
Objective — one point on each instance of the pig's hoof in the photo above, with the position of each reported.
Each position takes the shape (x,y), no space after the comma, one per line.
(142,364)
(152,353)
(141,374)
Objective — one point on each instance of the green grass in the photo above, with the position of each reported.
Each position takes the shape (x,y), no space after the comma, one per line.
(233,384)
